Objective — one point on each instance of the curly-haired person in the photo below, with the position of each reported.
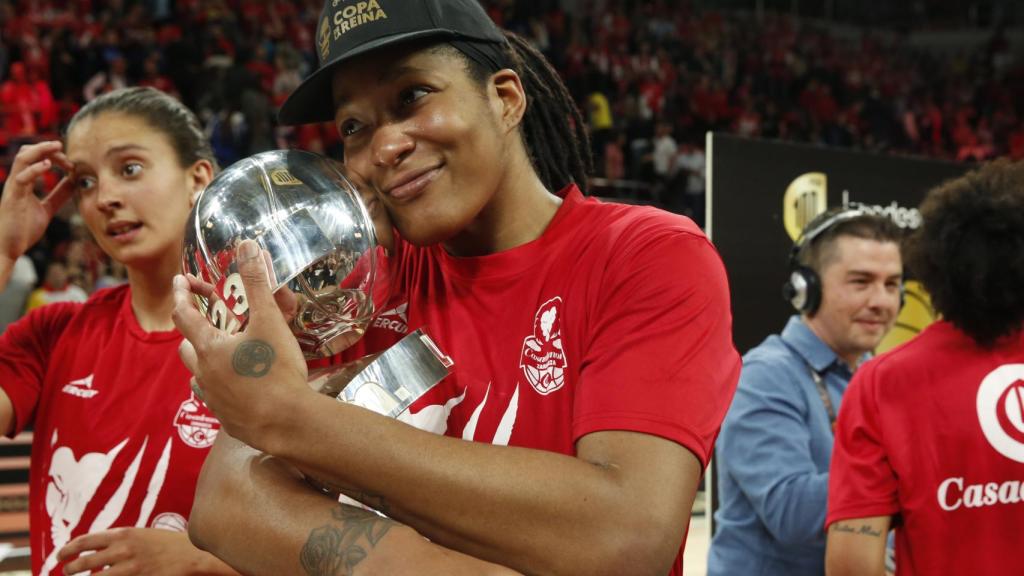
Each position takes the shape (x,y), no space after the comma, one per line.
(930,438)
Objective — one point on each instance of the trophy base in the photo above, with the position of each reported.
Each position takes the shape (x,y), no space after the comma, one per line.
(387,383)
(391,381)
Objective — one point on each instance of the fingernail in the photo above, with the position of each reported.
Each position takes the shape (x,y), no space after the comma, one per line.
(247,250)
(180,282)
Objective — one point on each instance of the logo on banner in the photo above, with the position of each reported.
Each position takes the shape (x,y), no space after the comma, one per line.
(196,426)
(542,360)
(1001,410)
(805,197)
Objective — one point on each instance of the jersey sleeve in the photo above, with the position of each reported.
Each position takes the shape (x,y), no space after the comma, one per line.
(25,349)
(862,483)
(660,358)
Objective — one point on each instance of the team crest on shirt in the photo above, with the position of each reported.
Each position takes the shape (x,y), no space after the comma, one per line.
(543,360)
(170,521)
(196,425)
(1000,404)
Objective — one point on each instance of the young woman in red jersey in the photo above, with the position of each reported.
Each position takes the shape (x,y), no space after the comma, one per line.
(592,343)
(119,438)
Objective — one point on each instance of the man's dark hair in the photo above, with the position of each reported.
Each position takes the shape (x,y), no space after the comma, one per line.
(969,252)
(818,253)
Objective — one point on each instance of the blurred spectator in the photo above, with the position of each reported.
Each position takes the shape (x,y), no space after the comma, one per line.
(56,287)
(18,101)
(151,76)
(112,273)
(663,158)
(14,296)
(599,119)
(614,160)
(82,257)
(692,165)
(104,81)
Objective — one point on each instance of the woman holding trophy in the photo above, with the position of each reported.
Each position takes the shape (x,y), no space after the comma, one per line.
(119,438)
(592,349)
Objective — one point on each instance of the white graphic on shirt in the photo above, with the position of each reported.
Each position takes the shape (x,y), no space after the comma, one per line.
(72,484)
(395,319)
(170,521)
(469,431)
(113,508)
(196,426)
(505,426)
(81,388)
(156,482)
(543,361)
(432,417)
(1000,406)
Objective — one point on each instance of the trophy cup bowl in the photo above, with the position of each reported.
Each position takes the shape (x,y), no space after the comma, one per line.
(319,238)
(321,242)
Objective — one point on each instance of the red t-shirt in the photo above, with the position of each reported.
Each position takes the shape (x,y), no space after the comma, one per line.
(932,434)
(118,437)
(616,318)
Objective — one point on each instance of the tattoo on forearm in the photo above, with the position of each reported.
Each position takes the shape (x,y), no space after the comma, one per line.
(336,549)
(863,529)
(253,358)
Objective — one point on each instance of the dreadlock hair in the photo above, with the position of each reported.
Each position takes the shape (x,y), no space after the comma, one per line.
(553,129)
(969,251)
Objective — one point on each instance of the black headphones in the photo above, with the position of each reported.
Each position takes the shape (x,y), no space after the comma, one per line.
(803,288)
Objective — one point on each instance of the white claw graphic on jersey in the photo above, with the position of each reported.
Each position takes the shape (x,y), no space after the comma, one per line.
(433,417)
(72,485)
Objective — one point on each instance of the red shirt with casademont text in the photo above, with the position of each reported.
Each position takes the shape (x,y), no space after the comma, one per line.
(931,434)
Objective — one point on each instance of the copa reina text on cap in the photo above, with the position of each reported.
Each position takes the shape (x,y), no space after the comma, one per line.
(354,15)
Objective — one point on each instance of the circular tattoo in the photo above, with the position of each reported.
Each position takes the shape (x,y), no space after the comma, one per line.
(253,358)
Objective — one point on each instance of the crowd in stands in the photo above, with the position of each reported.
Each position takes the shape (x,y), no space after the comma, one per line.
(651,77)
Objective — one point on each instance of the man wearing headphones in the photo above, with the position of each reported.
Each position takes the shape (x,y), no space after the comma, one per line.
(776,442)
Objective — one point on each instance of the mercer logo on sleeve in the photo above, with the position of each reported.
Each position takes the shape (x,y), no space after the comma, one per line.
(81,388)
(396,319)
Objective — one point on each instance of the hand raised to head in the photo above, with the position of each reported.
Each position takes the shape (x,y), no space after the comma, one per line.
(24,216)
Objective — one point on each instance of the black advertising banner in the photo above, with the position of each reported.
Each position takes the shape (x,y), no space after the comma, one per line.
(762,193)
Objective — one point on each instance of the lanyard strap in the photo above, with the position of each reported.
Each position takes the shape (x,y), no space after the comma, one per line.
(819,383)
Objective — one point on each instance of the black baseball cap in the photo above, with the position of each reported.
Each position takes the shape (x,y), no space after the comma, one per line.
(348,28)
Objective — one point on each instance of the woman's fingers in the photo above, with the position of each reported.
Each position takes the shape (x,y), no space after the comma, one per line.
(33,153)
(60,194)
(27,176)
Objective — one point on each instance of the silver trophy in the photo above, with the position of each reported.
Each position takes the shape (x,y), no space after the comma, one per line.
(321,243)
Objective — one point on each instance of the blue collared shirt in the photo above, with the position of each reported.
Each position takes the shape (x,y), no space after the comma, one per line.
(773,456)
